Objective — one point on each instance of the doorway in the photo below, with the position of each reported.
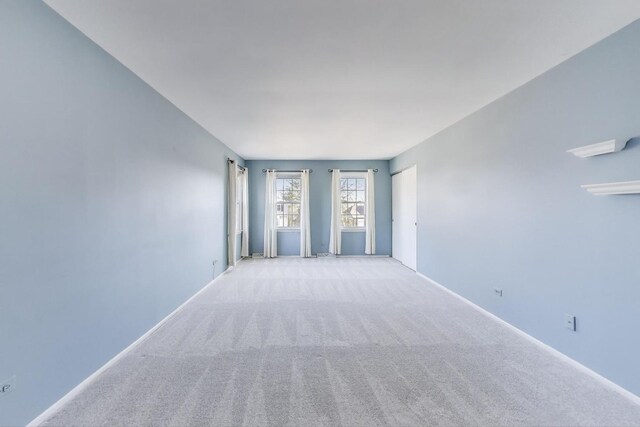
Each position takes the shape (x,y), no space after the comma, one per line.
(404,216)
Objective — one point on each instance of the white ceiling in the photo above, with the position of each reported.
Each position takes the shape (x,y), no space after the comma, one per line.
(339,79)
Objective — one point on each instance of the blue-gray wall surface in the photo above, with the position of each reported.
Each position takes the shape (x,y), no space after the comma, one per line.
(320,206)
(500,206)
(112,207)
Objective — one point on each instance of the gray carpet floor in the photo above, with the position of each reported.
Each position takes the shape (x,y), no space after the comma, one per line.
(347,341)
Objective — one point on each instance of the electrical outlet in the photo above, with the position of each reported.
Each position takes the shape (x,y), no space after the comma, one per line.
(570,322)
(7,386)
(497,292)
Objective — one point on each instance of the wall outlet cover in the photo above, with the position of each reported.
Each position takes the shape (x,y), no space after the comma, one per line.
(570,322)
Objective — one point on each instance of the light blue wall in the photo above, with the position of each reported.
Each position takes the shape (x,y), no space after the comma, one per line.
(320,206)
(112,207)
(500,206)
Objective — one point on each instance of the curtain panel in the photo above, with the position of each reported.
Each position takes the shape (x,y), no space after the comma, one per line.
(305,217)
(245,213)
(270,224)
(335,238)
(370,208)
(231,213)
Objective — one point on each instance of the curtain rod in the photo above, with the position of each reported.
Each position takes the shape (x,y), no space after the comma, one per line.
(286,171)
(230,160)
(354,170)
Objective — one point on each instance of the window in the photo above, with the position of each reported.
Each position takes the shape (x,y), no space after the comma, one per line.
(288,202)
(352,196)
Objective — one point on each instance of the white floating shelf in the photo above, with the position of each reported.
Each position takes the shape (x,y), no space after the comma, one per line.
(627,187)
(611,146)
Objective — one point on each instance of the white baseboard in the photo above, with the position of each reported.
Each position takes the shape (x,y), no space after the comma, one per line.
(602,380)
(49,412)
(362,256)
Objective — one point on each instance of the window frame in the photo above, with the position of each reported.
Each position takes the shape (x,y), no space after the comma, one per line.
(352,175)
(287,175)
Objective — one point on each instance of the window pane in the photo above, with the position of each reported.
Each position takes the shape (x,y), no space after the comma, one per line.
(343,184)
(359,196)
(360,184)
(294,221)
(360,221)
(345,208)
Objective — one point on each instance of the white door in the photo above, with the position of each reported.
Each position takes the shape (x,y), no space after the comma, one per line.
(404,217)
(410,205)
(396,219)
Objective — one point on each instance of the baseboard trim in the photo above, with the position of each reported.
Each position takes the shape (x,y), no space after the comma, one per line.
(362,256)
(602,380)
(49,412)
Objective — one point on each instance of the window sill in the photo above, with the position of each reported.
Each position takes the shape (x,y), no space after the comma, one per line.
(354,230)
(287,230)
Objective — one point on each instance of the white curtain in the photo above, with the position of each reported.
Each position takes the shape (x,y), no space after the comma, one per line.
(305,222)
(370,209)
(231,214)
(245,213)
(270,229)
(335,239)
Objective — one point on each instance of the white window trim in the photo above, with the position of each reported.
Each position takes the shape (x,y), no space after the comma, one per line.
(287,175)
(355,175)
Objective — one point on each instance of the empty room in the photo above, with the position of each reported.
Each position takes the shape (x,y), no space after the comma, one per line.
(319,213)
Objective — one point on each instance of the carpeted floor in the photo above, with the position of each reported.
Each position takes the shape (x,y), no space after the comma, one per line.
(347,341)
